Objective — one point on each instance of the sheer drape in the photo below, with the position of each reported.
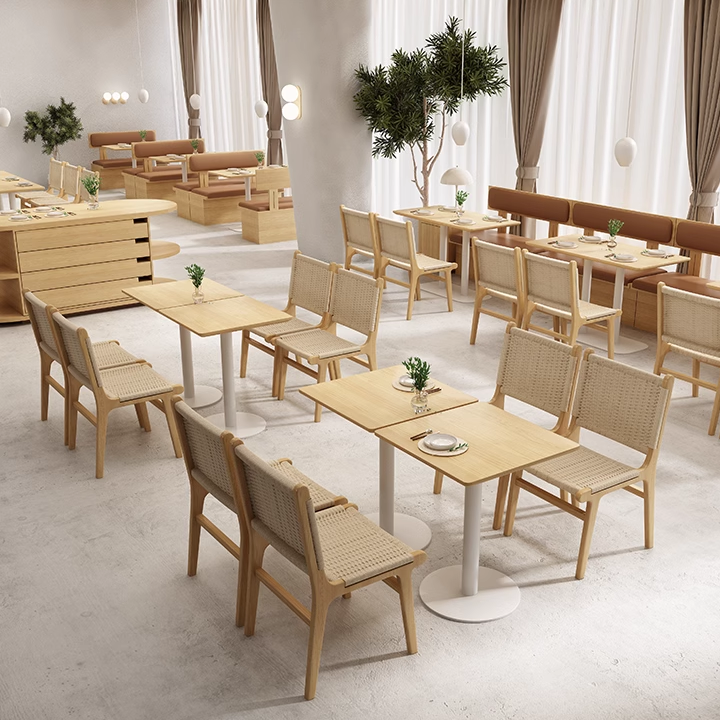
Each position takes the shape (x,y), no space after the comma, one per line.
(189,14)
(270,86)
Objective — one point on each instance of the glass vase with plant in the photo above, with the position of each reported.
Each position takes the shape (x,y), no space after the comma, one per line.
(260,157)
(142,134)
(196,274)
(91,183)
(460,197)
(614,227)
(195,144)
(419,372)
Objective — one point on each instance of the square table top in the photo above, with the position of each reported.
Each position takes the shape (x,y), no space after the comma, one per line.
(370,401)
(445,217)
(125,146)
(11,186)
(499,442)
(174,294)
(597,252)
(224,316)
(239,172)
(170,158)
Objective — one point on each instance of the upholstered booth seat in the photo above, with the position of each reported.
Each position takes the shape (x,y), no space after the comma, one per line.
(113,162)
(263,204)
(505,239)
(224,190)
(161,175)
(112,168)
(679,281)
(194,184)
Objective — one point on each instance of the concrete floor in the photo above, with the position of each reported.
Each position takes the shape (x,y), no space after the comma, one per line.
(99,620)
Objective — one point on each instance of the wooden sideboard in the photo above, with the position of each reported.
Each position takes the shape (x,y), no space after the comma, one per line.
(82,261)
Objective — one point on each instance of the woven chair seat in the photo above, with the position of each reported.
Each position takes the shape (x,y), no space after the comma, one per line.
(131,382)
(317,343)
(110,354)
(45,199)
(425,262)
(583,468)
(693,350)
(355,548)
(33,194)
(589,311)
(282,328)
(319,496)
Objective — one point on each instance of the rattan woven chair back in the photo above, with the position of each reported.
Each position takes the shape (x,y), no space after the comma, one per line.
(496,267)
(355,301)
(396,239)
(550,282)
(358,229)
(310,284)
(621,402)
(71,180)
(40,321)
(55,176)
(84,195)
(71,339)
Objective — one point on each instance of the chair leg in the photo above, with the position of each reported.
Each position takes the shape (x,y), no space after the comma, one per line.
(565,496)
(318,618)
(574,330)
(411,296)
(241,602)
(502,490)
(611,337)
(338,374)
(142,415)
(591,509)
(408,610)
(695,374)
(100,438)
(197,501)
(321,372)
(649,512)
(512,506)
(45,364)
(448,289)
(715,413)
(527,314)
(280,356)
(72,391)
(662,350)
(244,348)
(437,486)
(556,325)
(255,560)
(479,297)
(172,427)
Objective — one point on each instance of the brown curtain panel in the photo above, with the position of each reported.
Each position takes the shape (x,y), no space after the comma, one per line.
(702,105)
(270,85)
(532,36)
(188,19)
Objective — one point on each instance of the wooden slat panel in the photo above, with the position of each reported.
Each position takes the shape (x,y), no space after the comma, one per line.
(86,274)
(57,237)
(83,255)
(89,294)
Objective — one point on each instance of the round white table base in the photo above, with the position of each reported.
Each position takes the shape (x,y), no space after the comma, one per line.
(246,424)
(204,396)
(497,595)
(413,532)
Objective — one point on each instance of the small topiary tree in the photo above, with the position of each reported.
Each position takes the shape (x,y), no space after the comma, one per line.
(55,127)
(403,102)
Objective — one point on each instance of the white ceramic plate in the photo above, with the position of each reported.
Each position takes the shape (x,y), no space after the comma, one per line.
(398,385)
(591,239)
(423,212)
(55,213)
(441,441)
(8,212)
(274,166)
(655,253)
(565,244)
(43,208)
(464,221)
(442,453)
(124,145)
(19,217)
(12,179)
(24,184)
(622,257)
(494,218)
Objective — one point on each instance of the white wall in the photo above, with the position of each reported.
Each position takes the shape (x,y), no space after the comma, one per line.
(79,49)
(318,46)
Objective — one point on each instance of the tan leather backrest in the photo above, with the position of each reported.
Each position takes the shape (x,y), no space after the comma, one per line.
(532,205)
(701,236)
(269,178)
(223,161)
(112,138)
(165,147)
(638,225)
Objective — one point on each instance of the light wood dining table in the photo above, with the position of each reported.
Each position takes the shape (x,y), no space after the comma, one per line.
(235,173)
(499,443)
(181,160)
(11,184)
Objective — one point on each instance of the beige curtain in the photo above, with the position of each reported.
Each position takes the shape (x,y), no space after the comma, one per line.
(270,86)
(532,36)
(188,19)
(702,105)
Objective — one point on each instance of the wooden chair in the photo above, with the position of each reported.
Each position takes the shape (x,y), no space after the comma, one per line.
(210,468)
(128,385)
(70,187)
(537,371)
(397,249)
(354,303)
(340,550)
(689,324)
(54,188)
(626,405)
(310,284)
(360,238)
(551,287)
(108,353)
(498,273)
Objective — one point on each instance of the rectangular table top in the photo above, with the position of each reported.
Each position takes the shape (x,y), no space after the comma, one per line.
(118,147)
(370,401)
(12,186)
(499,442)
(179,293)
(446,217)
(597,252)
(224,316)
(170,158)
(235,172)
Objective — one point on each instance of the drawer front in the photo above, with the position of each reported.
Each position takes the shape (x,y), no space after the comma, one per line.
(80,295)
(86,274)
(59,237)
(83,255)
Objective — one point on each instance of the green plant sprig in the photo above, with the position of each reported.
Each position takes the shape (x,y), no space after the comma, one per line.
(461,196)
(614,227)
(195,144)
(92,184)
(142,134)
(418,371)
(260,157)
(196,274)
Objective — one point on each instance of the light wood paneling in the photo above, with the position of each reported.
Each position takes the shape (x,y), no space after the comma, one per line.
(83,255)
(91,294)
(59,237)
(84,274)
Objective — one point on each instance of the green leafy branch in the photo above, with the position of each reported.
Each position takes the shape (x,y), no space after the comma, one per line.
(418,371)
(196,274)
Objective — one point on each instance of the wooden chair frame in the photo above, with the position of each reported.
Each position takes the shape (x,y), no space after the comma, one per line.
(647,472)
(352,250)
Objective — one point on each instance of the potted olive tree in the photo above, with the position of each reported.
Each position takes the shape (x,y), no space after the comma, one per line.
(56,126)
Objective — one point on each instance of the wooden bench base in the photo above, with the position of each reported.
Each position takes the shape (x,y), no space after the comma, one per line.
(268,226)
(110,178)
(207,211)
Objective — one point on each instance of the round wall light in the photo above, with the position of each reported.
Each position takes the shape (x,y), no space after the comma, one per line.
(290,111)
(290,93)
(106,98)
(124,97)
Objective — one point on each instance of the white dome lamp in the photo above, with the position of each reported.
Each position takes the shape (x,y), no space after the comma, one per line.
(461,130)
(626,148)
(143,95)
(5,117)
(261,108)
(456,176)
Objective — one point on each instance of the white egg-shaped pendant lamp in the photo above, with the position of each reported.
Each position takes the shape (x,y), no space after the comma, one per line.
(460,132)
(261,108)
(143,95)
(5,117)
(195,101)
(625,151)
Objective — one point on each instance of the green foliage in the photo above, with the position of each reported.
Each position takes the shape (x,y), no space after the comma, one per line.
(461,196)
(55,127)
(195,144)
(196,274)
(260,157)
(92,184)
(614,227)
(418,371)
(142,133)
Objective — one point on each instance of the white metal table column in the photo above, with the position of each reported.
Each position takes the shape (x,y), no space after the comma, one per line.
(468,592)
(196,396)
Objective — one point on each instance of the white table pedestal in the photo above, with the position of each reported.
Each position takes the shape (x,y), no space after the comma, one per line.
(196,396)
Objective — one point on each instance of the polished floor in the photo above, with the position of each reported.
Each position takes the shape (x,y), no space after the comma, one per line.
(98,619)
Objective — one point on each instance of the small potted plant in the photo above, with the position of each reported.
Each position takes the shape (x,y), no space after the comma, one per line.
(419,372)
(260,157)
(614,227)
(142,134)
(460,197)
(195,144)
(196,274)
(91,183)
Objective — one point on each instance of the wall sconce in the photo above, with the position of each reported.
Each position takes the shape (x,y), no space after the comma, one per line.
(292,95)
(115,98)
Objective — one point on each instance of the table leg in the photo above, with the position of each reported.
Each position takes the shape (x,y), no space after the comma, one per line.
(587,279)
(248,188)
(618,292)
(242,425)
(196,396)
(467,592)
(184,168)
(443,243)
(465,269)
(410,530)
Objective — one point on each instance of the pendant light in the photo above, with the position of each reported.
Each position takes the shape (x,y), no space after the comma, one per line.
(194,99)
(143,94)
(461,130)
(626,148)
(5,116)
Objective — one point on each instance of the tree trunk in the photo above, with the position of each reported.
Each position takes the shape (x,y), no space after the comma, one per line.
(55,152)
